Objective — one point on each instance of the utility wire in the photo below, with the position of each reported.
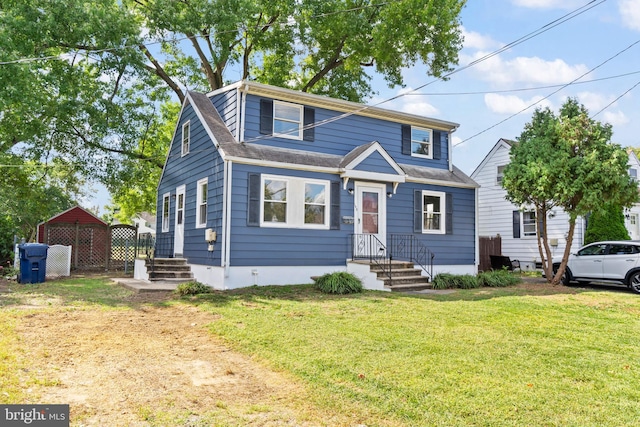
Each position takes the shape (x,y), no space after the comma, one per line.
(612,102)
(552,93)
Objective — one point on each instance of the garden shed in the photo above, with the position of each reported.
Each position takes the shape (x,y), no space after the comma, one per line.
(95,244)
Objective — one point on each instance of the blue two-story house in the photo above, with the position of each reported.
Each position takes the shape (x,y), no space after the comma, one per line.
(264,185)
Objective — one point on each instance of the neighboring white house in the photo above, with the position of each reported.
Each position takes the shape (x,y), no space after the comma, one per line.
(517,225)
(146,223)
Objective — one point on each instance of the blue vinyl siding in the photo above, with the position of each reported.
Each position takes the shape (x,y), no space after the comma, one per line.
(341,136)
(376,163)
(450,249)
(203,161)
(227,105)
(266,246)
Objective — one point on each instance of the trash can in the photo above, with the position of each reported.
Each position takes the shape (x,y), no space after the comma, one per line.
(33,262)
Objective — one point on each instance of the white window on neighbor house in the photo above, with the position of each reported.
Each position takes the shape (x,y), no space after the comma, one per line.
(433,212)
(421,142)
(186,137)
(201,203)
(633,173)
(529,224)
(165,212)
(500,174)
(287,120)
(294,202)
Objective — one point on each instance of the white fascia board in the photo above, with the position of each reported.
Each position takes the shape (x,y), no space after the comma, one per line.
(501,143)
(372,176)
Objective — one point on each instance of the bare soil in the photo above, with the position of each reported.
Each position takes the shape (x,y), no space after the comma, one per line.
(151,365)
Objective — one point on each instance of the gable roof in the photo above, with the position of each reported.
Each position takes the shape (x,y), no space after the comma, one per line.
(502,143)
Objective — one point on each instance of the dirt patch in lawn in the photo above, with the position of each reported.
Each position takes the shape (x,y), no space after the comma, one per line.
(152,365)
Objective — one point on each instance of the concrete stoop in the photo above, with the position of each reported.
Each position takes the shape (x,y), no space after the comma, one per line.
(404,277)
(170,270)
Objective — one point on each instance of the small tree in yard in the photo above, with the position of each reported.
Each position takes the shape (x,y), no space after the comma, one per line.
(566,161)
(606,224)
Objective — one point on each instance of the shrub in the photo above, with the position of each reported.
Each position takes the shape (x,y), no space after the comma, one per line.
(192,288)
(339,282)
(454,281)
(497,278)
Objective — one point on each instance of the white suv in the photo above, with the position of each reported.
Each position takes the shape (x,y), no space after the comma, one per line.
(613,261)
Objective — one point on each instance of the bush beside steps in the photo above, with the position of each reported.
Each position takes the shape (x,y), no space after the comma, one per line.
(494,278)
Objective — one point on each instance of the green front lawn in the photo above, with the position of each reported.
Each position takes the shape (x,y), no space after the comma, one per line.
(488,357)
(531,355)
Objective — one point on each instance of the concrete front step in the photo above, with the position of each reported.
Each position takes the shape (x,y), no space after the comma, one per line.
(161,275)
(410,287)
(169,269)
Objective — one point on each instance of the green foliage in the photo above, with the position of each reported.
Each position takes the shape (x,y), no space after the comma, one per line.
(97,97)
(567,162)
(497,279)
(455,281)
(339,282)
(494,278)
(606,224)
(192,288)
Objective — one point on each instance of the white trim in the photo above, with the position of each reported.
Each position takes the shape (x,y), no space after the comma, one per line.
(430,143)
(295,202)
(177,236)
(300,121)
(375,147)
(186,124)
(443,212)
(199,194)
(381,188)
(166,196)
(502,143)
(372,176)
(225,258)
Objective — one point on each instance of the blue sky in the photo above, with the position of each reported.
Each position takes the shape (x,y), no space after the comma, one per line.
(476,98)
(483,97)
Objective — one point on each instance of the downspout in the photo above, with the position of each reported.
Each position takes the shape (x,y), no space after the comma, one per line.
(451,148)
(228,174)
(243,106)
(477,233)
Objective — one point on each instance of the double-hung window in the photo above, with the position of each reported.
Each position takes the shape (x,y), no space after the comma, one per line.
(529,224)
(433,212)
(294,202)
(421,142)
(500,174)
(186,138)
(201,209)
(165,212)
(287,120)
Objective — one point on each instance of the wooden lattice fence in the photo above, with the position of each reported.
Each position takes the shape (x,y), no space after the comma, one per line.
(95,246)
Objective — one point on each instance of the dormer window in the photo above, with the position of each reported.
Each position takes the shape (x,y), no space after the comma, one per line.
(287,120)
(421,142)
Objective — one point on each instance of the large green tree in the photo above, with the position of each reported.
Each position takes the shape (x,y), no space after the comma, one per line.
(87,80)
(33,192)
(566,161)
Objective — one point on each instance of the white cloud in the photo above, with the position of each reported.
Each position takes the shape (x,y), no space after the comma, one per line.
(511,104)
(418,107)
(548,4)
(615,118)
(474,40)
(529,70)
(455,140)
(630,13)
(594,101)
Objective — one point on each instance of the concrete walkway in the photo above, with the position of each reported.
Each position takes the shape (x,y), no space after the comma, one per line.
(146,286)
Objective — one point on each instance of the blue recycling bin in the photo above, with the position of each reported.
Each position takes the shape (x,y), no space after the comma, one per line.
(33,262)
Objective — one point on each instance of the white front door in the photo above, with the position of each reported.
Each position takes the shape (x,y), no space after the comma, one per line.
(178,244)
(370,217)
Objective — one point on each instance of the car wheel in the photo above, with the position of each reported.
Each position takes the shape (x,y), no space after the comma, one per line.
(634,282)
(565,279)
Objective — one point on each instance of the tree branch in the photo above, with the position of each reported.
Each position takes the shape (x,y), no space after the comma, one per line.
(334,62)
(159,71)
(214,79)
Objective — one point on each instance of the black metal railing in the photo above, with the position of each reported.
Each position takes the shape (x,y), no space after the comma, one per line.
(151,247)
(399,247)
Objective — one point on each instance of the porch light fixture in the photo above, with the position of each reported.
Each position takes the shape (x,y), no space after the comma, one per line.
(389,194)
(350,191)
